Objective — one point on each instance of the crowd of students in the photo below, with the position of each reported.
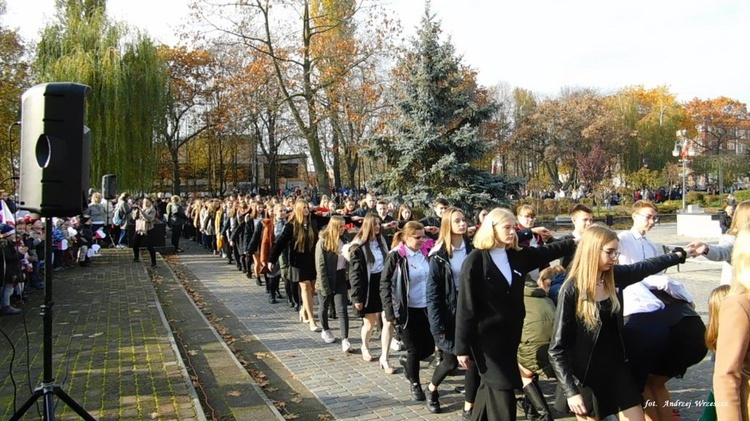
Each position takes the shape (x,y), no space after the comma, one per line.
(477,291)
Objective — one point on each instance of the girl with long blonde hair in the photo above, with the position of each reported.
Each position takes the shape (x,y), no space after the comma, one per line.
(587,342)
(300,236)
(332,283)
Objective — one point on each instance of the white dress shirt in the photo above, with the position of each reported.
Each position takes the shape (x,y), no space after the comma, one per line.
(459,255)
(419,272)
(377,264)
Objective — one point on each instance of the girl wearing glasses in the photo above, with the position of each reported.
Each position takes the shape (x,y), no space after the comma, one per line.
(586,350)
(490,310)
(403,290)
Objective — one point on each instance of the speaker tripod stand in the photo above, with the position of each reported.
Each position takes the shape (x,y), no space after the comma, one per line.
(48,390)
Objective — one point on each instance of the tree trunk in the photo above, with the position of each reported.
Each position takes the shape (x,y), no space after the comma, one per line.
(175,171)
(336,160)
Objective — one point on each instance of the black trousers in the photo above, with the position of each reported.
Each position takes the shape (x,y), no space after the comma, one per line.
(176,232)
(139,240)
(418,341)
(338,297)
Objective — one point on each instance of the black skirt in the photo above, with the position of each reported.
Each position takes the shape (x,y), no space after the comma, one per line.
(305,269)
(373,303)
(602,395)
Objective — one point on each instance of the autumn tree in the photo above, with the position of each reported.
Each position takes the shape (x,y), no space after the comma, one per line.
(719,123)
(435,133)
(186,101)
(14,74)
(127,79)
(288,34)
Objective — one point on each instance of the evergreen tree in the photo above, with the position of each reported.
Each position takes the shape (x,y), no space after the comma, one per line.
(438,109)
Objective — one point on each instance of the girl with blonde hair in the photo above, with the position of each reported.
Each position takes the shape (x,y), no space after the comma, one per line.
(332,283)
(300,235)
(490,311)
(587,342)
(731,379)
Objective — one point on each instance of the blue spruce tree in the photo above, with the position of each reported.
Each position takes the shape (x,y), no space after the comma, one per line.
(438,109)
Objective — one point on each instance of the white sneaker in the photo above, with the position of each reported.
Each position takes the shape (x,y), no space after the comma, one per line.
(346,346)
(396,345)
(327,336)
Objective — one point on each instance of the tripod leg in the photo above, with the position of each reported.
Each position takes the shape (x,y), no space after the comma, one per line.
(72,404)
(27,405)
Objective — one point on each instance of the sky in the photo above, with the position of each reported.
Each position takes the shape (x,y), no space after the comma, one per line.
(694,47)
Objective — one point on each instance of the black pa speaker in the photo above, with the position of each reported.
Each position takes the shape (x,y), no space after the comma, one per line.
(109,186)
(55,149)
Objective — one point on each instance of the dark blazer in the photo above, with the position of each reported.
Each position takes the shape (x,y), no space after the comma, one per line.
(359,269)
(490,312)
(285,240)
(442,298)
(572,344)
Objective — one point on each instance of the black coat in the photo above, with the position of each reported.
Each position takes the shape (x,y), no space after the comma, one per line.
(490,313)
(359,269)
(286,240)
(442,299)
(572,344)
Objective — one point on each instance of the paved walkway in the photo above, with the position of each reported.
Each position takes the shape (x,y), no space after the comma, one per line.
(112,349)
(353,389)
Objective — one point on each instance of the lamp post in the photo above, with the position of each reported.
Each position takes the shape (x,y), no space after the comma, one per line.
(683,149)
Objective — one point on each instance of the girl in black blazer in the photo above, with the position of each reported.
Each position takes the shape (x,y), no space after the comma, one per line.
(587,348)
(446,258)
(490,312)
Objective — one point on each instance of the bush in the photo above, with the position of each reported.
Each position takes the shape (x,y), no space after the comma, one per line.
(549,207)
(713,201)
(695,198)
(742,195)
(670,206)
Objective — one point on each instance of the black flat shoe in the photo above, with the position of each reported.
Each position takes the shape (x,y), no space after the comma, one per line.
(433,401)
(416,392)
(466,414)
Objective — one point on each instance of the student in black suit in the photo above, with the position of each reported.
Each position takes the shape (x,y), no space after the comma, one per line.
(490,312)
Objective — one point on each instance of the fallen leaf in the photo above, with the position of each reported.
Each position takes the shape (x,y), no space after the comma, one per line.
(296,399)
(154,415)
(325,417)
(235,393)
(193,352)
(291,416)
(96,334)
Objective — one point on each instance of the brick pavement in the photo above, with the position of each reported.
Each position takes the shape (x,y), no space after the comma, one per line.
(353,389)
(112,349)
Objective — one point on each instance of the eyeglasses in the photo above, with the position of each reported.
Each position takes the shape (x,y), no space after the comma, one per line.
(613,254)
(650,217)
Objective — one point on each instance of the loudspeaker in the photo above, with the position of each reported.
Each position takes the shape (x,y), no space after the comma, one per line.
(109,186)
(55,149)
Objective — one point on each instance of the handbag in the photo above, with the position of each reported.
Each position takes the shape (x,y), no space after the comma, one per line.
(219,242)
(140,226)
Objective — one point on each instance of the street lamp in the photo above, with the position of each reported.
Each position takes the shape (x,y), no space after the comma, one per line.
(683,149)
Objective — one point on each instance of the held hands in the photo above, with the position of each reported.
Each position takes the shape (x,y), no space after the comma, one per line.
(696,248)
(544,232)
(465,362)
(432,230)
(576,405)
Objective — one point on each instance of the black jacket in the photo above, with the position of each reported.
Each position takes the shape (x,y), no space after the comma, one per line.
(572,344)
(490,313)
(238,236)
(442,298)
(359,269)
(394,287)
(286,240)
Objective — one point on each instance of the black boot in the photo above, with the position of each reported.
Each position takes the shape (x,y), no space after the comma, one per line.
(539,410)
(417,394)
